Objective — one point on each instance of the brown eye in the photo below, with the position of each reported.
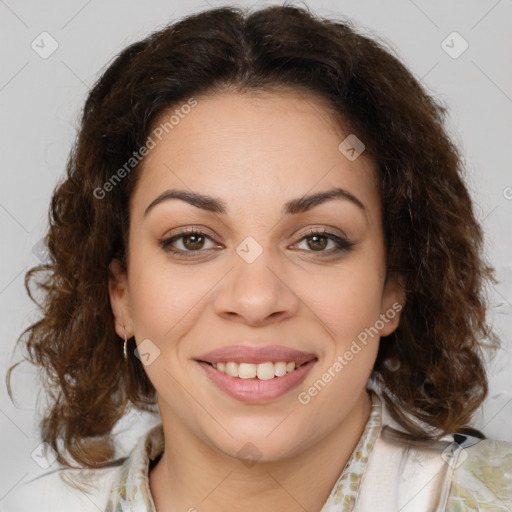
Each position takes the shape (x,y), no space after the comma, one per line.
(193,242)
(189,243)
(317,242)
(324,243)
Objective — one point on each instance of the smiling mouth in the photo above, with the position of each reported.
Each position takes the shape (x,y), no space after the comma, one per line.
(262,371)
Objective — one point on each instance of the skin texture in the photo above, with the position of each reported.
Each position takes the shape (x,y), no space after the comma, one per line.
(255,153)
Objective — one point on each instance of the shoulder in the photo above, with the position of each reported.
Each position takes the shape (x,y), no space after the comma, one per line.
(63,489)
(457,473)
(482,478)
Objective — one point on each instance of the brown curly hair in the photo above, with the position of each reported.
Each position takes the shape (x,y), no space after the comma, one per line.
(432,238)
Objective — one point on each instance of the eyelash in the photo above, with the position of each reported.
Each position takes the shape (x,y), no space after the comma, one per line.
(342,243)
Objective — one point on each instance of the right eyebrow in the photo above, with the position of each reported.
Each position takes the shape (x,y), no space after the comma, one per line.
(198,200)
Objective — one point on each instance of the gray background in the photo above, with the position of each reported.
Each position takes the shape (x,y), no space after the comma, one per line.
(40,100)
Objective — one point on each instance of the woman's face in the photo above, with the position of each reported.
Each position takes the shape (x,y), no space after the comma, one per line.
(255,239)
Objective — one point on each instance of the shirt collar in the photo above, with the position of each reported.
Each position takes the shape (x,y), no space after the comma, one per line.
(130,492)
(344,493)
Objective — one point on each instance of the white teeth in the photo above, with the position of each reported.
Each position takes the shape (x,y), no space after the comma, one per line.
(247,371)
(232,369)
(280,368)
(264,371)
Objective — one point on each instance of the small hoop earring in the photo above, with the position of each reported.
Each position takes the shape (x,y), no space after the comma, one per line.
(124,347)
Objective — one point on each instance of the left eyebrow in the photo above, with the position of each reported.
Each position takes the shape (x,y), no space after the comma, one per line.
(293,207)
(305,203)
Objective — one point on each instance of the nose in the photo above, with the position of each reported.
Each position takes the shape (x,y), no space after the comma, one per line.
(256,293)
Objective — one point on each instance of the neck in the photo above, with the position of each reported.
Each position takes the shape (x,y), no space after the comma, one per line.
(192,475)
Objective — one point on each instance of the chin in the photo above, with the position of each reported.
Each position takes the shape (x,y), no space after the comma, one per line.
(259,442)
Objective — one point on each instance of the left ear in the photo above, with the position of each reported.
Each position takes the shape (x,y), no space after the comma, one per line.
(119,299)
(393,301)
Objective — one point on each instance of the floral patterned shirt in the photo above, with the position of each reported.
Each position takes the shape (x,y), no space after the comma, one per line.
(456,475)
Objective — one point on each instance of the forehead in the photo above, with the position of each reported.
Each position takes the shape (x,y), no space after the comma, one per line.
(242,146)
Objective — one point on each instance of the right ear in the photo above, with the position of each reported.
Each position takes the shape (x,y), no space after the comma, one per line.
(120,299)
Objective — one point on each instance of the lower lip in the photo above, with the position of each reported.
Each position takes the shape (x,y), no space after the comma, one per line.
(256,391)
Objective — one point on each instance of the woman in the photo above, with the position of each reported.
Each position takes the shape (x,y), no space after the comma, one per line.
(264,232)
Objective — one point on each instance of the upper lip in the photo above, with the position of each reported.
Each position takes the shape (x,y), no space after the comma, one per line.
(256,355)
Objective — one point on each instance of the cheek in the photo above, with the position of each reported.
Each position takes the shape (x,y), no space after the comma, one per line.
(163,299)
(348,301)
